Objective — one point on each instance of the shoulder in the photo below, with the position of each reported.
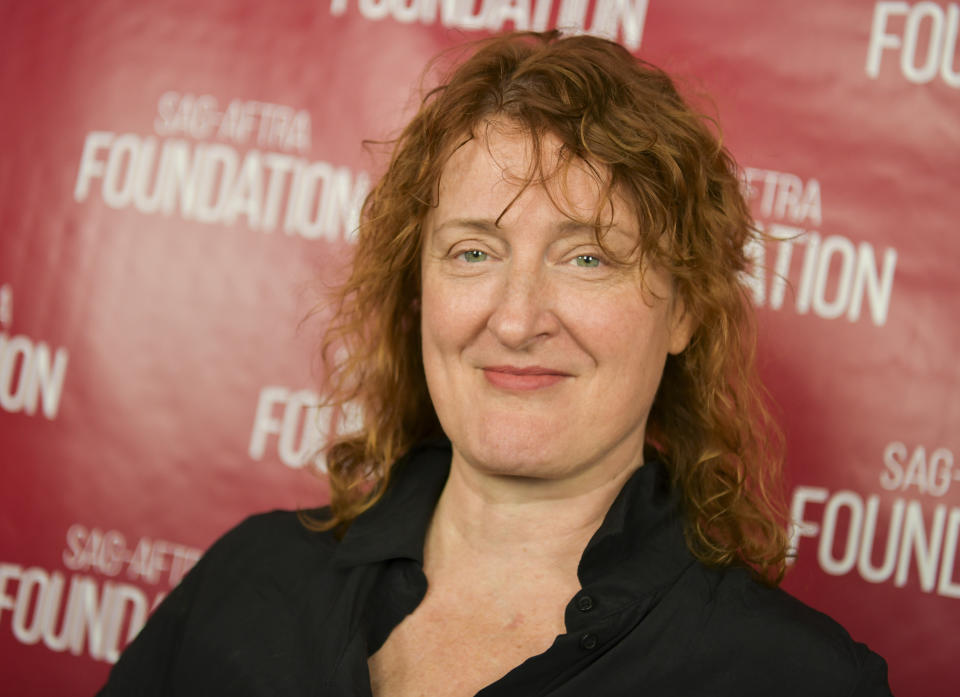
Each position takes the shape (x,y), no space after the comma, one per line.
(775,637)
(275,532)
(276,545)
(237,612)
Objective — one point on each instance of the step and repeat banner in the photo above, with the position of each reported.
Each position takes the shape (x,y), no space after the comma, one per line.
(180,182)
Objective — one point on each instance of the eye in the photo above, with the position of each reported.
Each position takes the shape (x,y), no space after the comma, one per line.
(587,261)
(473,255)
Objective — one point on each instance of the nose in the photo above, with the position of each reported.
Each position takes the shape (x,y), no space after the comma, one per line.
(524,314)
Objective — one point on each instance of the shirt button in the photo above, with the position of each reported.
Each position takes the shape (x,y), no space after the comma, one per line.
(584,603)
(588,642)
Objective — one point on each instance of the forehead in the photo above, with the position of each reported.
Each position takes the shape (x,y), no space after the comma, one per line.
(502,170)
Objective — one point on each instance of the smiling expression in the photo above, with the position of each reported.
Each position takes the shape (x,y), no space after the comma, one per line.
(542,355)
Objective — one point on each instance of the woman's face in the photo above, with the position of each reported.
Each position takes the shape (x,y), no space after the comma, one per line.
(542,357)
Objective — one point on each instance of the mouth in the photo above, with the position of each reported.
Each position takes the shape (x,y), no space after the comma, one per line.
(515,378)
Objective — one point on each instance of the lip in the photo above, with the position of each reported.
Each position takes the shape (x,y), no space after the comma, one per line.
(526,378)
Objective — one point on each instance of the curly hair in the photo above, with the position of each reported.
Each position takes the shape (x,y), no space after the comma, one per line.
(709,422)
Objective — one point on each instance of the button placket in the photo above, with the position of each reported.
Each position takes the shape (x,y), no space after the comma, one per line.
(584,604)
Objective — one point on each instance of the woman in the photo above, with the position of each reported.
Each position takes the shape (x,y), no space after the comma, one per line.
(566,479)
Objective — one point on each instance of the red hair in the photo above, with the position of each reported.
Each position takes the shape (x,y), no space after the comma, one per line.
(626,120)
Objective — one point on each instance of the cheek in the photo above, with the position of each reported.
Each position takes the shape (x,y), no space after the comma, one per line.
(448,324)
(449,318)
(432,335)
(432,311)
(627,338)
(452,307)
(432,352)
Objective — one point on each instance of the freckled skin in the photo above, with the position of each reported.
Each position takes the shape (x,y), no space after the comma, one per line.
(536,291)
(515,622)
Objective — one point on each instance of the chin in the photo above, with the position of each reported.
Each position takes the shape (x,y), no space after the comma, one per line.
(519,454)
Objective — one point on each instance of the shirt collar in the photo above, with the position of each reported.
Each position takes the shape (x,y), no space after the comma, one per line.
(641,539)
(395,527)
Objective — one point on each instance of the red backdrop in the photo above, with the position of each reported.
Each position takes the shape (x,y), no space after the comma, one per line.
(179,180)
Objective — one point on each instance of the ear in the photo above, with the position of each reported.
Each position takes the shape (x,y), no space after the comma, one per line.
(682,326)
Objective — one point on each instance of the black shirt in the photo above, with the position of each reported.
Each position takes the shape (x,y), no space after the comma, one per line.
(273,609)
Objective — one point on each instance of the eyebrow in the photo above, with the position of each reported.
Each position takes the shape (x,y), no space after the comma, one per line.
(566,228)
(479,224)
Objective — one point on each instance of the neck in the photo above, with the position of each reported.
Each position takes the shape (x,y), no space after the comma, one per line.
(496,526)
